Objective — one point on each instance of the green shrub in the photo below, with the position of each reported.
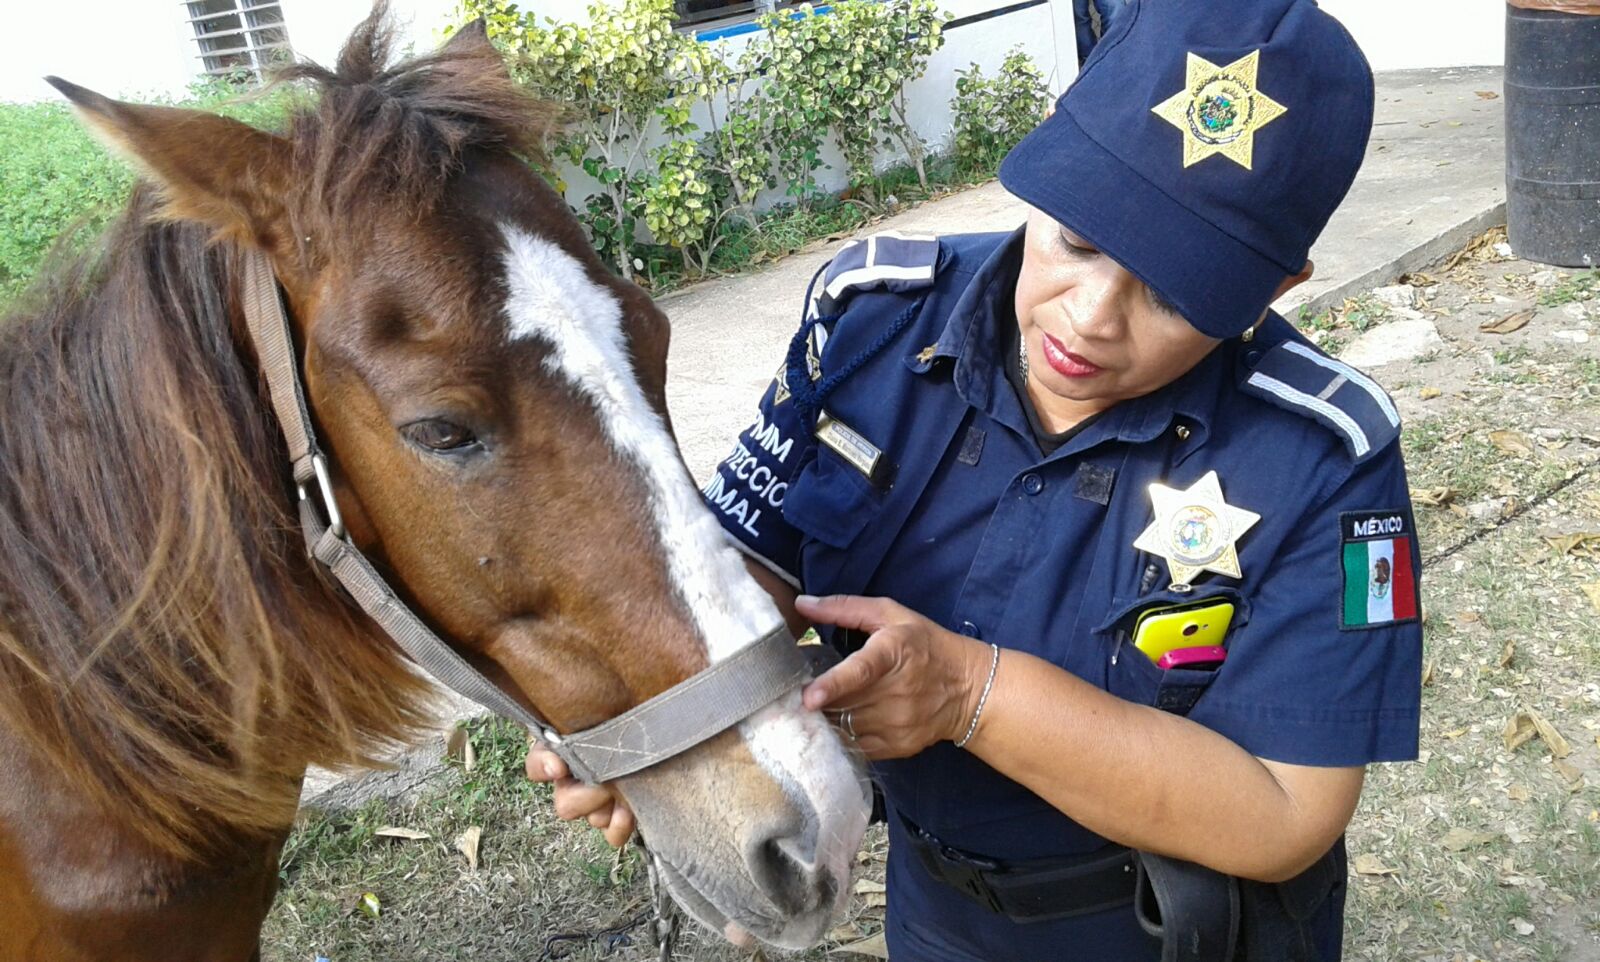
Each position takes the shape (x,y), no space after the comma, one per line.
(55,176)
(992,115)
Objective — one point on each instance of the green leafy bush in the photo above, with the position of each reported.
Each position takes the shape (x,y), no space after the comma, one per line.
(55,176)
(992,115)
(626,76)
(631,80)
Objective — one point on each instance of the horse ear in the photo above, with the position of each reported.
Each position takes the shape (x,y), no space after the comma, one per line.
(470,35)
(211,169)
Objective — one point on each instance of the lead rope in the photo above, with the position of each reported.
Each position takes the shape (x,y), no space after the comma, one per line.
(665,927)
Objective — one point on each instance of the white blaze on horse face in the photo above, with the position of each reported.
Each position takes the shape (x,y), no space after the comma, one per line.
(550,296)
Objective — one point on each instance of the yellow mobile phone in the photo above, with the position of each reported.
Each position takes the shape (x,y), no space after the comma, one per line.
(1201,624)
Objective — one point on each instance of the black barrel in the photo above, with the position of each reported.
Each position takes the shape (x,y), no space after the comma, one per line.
(1553,136)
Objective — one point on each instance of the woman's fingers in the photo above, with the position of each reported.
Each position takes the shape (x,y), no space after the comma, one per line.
(575,799)
(620,827)
(841,683)
(544,765)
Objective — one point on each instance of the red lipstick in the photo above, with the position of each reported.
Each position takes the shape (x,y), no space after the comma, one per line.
(1066,363)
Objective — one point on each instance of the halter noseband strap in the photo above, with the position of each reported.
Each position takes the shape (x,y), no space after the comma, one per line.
(677,719)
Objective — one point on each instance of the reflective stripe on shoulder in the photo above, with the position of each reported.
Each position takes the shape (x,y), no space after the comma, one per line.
(1354,437)
(888,261)
(1299,378)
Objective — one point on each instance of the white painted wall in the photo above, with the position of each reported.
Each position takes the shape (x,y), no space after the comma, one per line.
(318,27)
(146,48)
(117,47)
(1406,34)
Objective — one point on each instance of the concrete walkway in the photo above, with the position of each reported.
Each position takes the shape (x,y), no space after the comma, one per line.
(1434,177)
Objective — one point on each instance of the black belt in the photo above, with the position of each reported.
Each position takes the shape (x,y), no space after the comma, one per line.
(1034,890)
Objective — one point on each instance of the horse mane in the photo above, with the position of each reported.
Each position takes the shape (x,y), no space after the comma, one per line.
(165,646)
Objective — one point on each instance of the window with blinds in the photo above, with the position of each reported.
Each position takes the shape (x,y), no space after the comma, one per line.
(239,36)
(700,15)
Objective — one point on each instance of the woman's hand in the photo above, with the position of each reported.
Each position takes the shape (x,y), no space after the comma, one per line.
(911,685)
(574,799)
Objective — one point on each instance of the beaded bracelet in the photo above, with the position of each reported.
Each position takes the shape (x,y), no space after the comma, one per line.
(994,662)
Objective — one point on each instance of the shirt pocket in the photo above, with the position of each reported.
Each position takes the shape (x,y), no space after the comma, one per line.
(1132,676)
(830,502)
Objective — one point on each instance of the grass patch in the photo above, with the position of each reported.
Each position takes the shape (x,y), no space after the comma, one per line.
(59,182)
(1579,287)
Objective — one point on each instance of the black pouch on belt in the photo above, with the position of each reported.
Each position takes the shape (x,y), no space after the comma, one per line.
(1201,915)
(1038,890)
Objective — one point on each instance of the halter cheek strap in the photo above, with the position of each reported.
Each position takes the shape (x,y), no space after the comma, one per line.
(673,721)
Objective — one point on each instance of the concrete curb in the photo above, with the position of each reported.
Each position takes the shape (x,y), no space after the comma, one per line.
(1434,249)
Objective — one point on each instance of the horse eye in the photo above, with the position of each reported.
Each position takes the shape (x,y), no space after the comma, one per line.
(437,434)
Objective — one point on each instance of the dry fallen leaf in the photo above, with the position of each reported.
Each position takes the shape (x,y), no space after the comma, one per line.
(1427,673)
(1519,731)
(1487,95)
(1508,654)
(467,844)
(1433,497)
(1523,926)
(1368,864)
(873,946)
(863,886)
(876,900)
(1592,589)
(395,831)
(458,746)
(1583,544)
(1428,393)
(1518,793)
(1571,774)
(1513,443)
(846,931)
(1527,724)
(1507,324)
(1456,733)
(1558,745)
(1461,839)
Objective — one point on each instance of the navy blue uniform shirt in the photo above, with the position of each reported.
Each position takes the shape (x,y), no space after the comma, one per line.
(929,487)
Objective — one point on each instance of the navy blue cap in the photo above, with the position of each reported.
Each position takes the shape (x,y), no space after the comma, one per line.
(1204,147)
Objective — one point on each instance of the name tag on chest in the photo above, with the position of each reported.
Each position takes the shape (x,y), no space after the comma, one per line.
(847,443)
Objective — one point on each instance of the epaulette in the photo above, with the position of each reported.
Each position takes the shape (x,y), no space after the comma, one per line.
(889,261)
(1302,379)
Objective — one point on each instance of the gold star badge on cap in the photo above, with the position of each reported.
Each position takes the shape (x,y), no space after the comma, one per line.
(1219,110)
(1195,530)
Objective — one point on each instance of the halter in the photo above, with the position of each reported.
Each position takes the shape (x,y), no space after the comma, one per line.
(672,722)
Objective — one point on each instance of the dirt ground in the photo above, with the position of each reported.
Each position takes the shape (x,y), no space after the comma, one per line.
(1486,848)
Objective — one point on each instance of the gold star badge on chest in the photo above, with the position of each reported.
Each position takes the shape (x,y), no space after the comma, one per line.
(1195,530)
(1219,110)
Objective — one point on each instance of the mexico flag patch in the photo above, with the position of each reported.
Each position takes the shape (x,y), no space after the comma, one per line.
(1380,584)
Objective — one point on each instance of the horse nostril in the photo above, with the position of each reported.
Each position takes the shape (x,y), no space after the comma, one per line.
(783,867)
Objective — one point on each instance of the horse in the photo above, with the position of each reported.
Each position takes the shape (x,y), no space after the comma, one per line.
(491,400)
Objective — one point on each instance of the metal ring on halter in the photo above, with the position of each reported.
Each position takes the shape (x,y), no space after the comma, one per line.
(319,464)
(847,722)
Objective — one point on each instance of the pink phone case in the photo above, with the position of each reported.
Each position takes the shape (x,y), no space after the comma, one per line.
(1208,656)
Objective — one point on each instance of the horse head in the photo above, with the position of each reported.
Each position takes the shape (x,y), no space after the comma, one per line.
(492,402)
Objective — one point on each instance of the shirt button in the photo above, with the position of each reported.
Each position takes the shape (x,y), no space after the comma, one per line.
(1183,432)
(1032,483)
(969,629)
(1252,358)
